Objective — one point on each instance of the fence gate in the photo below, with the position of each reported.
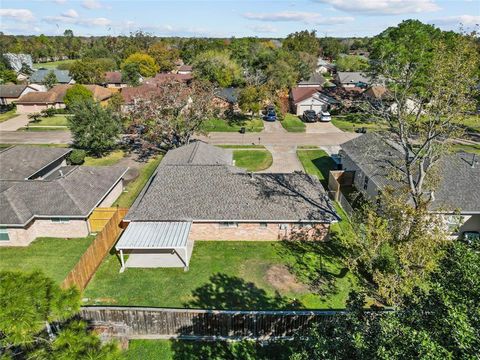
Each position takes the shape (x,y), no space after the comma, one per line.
(100,217)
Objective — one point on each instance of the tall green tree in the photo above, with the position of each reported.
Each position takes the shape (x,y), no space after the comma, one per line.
(77,93)
(164,55)
(131,74)
(352,63)
(50,80)
(94,128)
(302,41)
(218,68)
(281,75)
(331,47)
(90,71)
(251,98)
(146,64)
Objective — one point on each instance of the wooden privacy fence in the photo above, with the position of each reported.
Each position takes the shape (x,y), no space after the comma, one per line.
(91,259)
(140,323)
(100,217)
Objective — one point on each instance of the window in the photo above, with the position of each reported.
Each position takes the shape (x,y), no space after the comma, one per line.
(228,224)
(61,221)
(263,225)
(365,183)
(4,235)
(453,223)
(283,226)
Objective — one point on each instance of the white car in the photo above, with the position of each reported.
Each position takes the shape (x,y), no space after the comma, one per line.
(325,116)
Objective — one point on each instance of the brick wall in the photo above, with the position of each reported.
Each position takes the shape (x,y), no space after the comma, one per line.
(252,231)
(45,228)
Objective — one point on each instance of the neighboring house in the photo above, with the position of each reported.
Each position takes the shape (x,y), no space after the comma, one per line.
(371,160)
(11,93)
(162,78)
(324,66)
(376,93)
(184,69)
(131,95)
(226,99)
(63,76)
(197,194)
(310,98)
(352,79)
(113,79)
(41,196)
(315,80)
(53,98)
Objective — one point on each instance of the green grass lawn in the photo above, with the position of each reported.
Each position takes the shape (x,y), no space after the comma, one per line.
(54,256)
(190,349)
(52,64)
(253,160)
(56,120)
(110,159)
(471,123)
(241,146)
(8,115)
(292,123)
(474,148)
(222,125)
(133,188)
(229,275)
(316,162)
(351,122)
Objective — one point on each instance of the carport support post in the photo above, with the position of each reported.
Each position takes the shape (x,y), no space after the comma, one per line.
(186,258)
(122,269)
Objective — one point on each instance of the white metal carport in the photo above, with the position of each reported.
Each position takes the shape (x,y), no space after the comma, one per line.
(155,244)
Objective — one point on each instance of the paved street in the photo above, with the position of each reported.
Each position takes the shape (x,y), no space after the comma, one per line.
(35,137)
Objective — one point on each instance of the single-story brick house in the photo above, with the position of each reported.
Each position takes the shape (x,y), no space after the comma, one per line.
(371,159)
(198,194)
(42,196)
(184,69)
(10,93)
(315,80)
(113,80)
(310,98)
(53,98)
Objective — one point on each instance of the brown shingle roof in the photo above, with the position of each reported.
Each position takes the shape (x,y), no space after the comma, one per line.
(165,77)
(57,93)
(11,91)
(301,93)
(129,94)
(113,77)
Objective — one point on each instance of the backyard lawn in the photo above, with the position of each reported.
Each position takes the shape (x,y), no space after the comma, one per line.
(134,187)
(253,160)
(222,125)
(316,162)
(52,64)
(472,123)
(7,115)
(54,256)
(110,159)
(292,123)
(473,148)
(230,275)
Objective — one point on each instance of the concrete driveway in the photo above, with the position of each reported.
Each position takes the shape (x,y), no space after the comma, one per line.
(321,128)
(285,160)
(15,123)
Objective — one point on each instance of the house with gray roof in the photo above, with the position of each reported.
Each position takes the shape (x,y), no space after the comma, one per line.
(373,161)
(42,196)
(10,93)
(351,79)
(63,76)
(198,194)
(315,80)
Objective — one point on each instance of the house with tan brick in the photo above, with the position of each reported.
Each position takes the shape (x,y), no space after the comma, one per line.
(197,193)
(42,196)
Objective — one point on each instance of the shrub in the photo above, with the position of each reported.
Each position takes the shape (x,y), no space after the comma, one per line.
(77,157)
(48,112)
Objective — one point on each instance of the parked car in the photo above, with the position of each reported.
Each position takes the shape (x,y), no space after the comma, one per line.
(309,116)
(271,116)
(325,116)
(470,237)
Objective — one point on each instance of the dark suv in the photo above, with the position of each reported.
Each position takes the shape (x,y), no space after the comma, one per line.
(309,116)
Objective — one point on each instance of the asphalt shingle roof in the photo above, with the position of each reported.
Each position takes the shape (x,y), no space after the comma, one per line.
(315,79)
(20,162)
(63,76)
(11,91)
(202,189)
(352,77)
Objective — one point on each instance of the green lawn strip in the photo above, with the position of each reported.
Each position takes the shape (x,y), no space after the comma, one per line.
(222,275)
(241,146)
(56,120)
(8,115)
(51,64)
(253,160)
(471,123)
(292,123)
(351,122)
(307,147)
(133,188)
(473,148)
(222,125)
(54,256)
(43,128)
(316,162)
(191,349)
(110,159)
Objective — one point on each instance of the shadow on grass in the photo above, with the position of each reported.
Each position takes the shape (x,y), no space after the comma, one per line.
(324,164)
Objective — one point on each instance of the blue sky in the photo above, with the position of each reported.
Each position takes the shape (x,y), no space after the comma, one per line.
(225,18)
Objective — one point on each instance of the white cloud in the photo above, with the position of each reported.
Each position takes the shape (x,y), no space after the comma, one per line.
(19,28)
(22,15)
(468,20)
(383,7)
(305,17)
(100,21)
(60,2)
(92,4)
(263,28)
(70,14)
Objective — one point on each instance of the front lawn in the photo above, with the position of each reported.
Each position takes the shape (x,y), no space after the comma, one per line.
(253,160)
(292,123)
(56,120)
(110,159)
(473,148)
(316,162)
(223,125)
(230,275)
(134,187)
(54,256)
(471,123)
(7,115)
(351,122)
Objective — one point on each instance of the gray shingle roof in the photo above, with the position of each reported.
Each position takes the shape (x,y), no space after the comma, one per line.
(352,77)
(185,191)
(63,76)
(198,153)
(459,183)
(20,162)
(315,79)
(74,195)
(11,91)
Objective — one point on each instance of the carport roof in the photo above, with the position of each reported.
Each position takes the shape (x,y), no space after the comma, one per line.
(143,235)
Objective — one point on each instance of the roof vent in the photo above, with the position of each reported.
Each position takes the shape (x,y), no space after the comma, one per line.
(61,173)
(251,176)
(474,160)
(432,196)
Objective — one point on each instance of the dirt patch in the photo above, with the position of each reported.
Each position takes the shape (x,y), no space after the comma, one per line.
(283,280)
